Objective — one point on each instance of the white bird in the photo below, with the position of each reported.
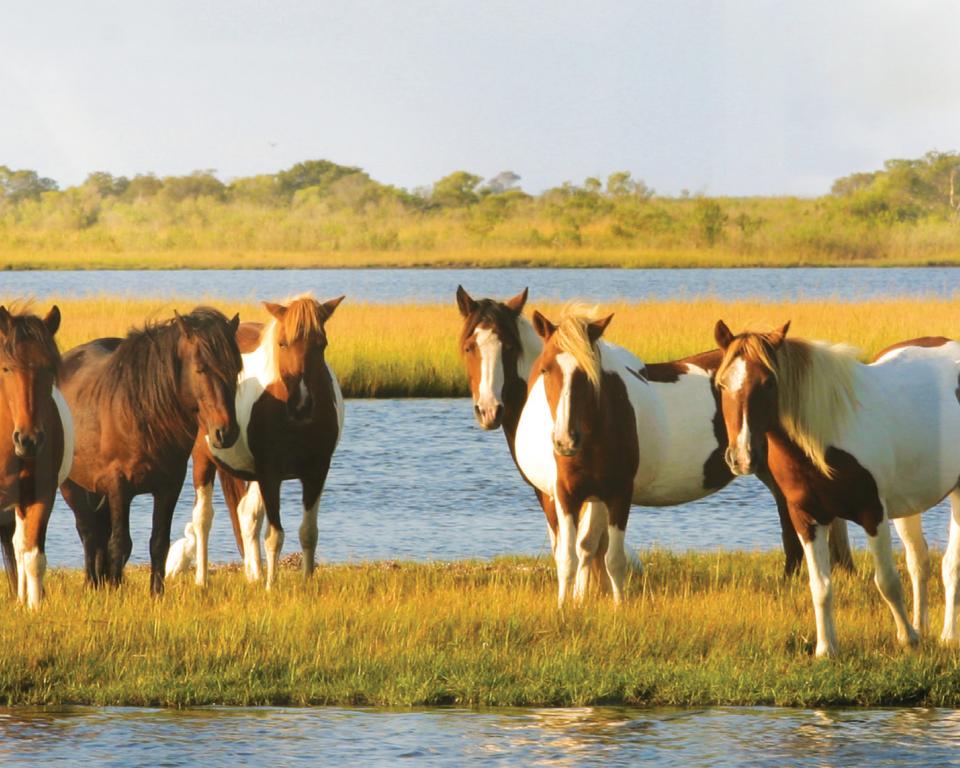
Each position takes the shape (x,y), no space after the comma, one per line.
(182,552)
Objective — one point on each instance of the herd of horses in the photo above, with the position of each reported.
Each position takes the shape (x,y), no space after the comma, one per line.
(591,427)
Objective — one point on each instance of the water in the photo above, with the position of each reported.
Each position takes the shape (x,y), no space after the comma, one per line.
(418,480)
(439,285)
(554,737)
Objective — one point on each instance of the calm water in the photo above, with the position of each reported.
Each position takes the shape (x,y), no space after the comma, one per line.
(560,737)
(418,480)
(432,285)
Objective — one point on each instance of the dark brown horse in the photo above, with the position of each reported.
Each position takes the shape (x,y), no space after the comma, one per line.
(137,402)
(290,411)
(36,443)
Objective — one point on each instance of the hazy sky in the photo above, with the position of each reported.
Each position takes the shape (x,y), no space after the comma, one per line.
(737,97)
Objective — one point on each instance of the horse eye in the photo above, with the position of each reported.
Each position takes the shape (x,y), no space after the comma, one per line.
(470,349)
(283,345)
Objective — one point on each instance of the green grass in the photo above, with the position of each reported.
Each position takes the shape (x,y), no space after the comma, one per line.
(698,629)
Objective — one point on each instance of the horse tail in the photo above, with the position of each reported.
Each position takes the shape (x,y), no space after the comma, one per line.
(233,490)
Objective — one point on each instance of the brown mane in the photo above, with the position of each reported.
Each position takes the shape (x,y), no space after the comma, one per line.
(500,316)
(140,382)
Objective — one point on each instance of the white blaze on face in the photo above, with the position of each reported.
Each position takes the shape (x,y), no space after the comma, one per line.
(734,380)
(561,425)
(736,375)
(490,390)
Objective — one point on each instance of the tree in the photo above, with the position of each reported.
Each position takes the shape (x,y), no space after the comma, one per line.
(313,173)
(197,184)
(23,184)
(620,184)
(711,219)
(105,184)
(502,182)
(456,190)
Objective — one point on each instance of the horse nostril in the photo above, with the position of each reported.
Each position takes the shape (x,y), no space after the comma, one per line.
(16,437)
(219,434)
(575,437)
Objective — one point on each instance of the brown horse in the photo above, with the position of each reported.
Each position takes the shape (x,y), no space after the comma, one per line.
(290,410)
(499,346)
(37,456)
(137,402)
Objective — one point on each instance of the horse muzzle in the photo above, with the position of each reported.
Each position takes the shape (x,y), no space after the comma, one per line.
(224,437)
(28,444)
(738,463)
(489,418)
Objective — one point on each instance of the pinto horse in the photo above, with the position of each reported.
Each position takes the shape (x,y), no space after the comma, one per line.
(864,442)
(137,402)
(290,410)
(499,346)
(601,431)
(38,455)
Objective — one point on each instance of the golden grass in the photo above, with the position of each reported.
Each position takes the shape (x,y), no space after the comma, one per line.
(382,350)
(697,629)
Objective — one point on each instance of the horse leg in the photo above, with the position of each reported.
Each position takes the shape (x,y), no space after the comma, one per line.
(164,503)
(91,527)
(550,513)
(204,471)
(591,530)
(792,548)
(565,553)
(119,543)
(840,554)
(951,572)
(816,549)
(312,488)
(33,558)
(7,527)
(250,516)
(273,541)
(616,558)
(918,564)
(888,582)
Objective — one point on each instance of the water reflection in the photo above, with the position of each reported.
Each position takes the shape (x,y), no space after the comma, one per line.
(555,737)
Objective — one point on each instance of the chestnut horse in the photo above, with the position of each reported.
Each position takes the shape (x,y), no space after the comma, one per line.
(136,402)
(290,410)
(864,442)
(601,431)
(37,445)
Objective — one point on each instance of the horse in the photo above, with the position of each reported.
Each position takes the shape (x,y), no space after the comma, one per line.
(290,410)
(137,402)
(498,347)
(39,452)
(843,439)
(601,431)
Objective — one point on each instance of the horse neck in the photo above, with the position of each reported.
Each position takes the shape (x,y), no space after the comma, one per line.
(515,390)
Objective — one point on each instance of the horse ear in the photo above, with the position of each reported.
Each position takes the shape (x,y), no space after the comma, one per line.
(597,327)
(515,304)
(277,310)
(4,320)
(779,335)
(184,328)
(544,328)
(466,304)
(722,334)
(234,323)
(332,304)
(52,320)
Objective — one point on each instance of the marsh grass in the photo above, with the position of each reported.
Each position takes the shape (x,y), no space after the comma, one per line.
(410,350)
(698,629)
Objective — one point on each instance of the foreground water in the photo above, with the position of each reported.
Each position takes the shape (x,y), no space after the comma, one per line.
(418,480)
(589,736)
(438,285)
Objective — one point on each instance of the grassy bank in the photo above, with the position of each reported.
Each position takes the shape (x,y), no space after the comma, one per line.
(411,350)
(697,629)
(466,256)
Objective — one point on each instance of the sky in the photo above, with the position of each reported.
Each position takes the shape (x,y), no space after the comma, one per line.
(735,97)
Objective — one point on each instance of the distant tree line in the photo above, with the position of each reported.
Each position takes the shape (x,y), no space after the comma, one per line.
(319,204)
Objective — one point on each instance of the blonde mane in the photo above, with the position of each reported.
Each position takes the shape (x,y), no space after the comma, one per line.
(304,315)
(816,384)
(572,337)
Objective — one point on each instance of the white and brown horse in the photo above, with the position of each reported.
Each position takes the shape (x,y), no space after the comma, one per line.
(601,431)
(863,442)
(36,448)
(290,410)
